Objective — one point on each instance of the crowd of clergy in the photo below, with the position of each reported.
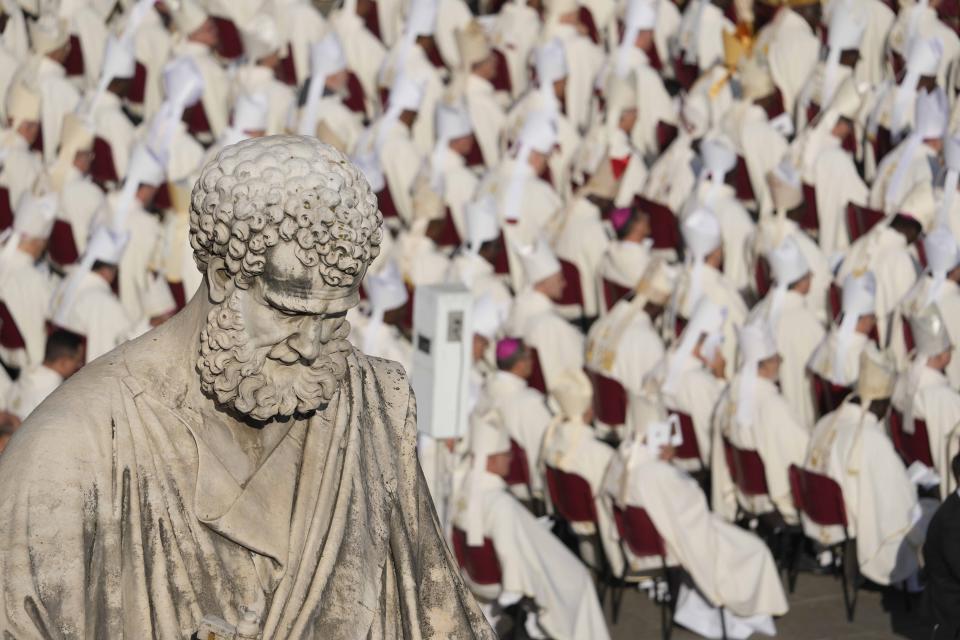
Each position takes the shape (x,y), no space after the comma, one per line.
(711,246)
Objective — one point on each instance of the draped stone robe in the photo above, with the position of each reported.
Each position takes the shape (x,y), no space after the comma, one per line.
(120,521)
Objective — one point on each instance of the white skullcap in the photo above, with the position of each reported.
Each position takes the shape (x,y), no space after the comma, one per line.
(550,61)
(574,393)
(386,290)
(539,133)
(157,298)
(250,112)
(327,56)
(756,344)
(932,114)
(701,233)
(786,190)
(878,375)
(859,295)
(145,168)
(48,33)
(923,57)
(119,59)
(452,122)
(640,15)
(943,256)
(422,20)
(107,245)
(539,261)
(35,215)
(23,102)
(719,156)
(482,222)
(182,81)
(188,17)
(930,336)
(488,316)
(787,262)
(261,37)
(406,94)
(846,27)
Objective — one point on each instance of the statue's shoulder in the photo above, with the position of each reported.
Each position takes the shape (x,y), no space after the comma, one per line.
(388,384)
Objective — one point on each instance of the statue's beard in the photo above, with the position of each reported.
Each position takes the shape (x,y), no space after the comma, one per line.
(245,378)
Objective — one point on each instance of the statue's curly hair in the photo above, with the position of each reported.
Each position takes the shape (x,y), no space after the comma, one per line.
(263,191)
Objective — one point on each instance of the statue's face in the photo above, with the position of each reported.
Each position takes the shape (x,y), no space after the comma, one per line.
(275,349)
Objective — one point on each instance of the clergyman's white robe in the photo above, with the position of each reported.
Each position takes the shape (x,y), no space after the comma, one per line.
(30,389)
(26,291)
(559,345)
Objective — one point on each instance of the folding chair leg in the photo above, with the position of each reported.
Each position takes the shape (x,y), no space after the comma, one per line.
(723,624)
(795,552)
(666,611)
(849,575)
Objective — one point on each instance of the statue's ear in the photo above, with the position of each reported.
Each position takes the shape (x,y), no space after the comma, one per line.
(219,281)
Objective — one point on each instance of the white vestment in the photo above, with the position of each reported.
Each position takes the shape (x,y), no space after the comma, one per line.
(20,166)
(736,227)
(853,449)
(792,51)
(26,291)
(487,116)
(146,234)
(837,184)
(30,389)
(918,171)
(559,345)
(624,345)
(822,360)
(581,239)
(926,394)
(533,562)
(255,79)
(773,431)
(798,332)
(672,177)
(97,315)
(400,161)
(363,51)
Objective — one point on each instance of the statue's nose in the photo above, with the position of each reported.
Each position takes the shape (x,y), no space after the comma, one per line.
(307,340)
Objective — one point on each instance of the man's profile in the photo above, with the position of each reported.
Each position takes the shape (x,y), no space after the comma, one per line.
(243,457)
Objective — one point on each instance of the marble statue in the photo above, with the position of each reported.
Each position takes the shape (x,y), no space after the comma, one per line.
(242,469)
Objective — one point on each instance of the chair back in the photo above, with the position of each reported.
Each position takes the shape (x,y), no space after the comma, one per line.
(664,228)
(536,379)
(686,74)
(912,447)
(102,169)
(480,563)
(229,42)
(448,237)
(826,395)
(609,399)
(10,336)
(811,217)
(74,64)
(639,533)
(612,293)
(666,134)
(761,272)
(62,248)
(501,262)
(741,181)
(749,472)
(689,449)
(818,496)
(861,219)
(571,496)
(573,291)
(6,213)
(519,472)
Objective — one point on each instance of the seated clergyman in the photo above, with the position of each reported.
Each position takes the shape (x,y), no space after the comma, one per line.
(243,461)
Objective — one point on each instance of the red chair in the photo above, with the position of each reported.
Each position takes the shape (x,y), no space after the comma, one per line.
(536,379)
(826,395)
(613,293)
(519,472)
(179,294)
(74,62)
(196,120)
(813,110)
(6,212)
(62,248)
(820,499)
(385,200)
(229,43)
(479,563)
(573,291)
(666,133)
(501,261)
(912,447)
(741,181)
(761,273)
(663,224)
(811,216)
(882,143)
(908,340)
(861,219)
(355,100)
(639,535)
(586,19)
(502,81)
(571,497)
(103,170)
(686,74)
(609,399)
(10,336)
(689,450)
(835,299)
(138,86)
(449,236)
